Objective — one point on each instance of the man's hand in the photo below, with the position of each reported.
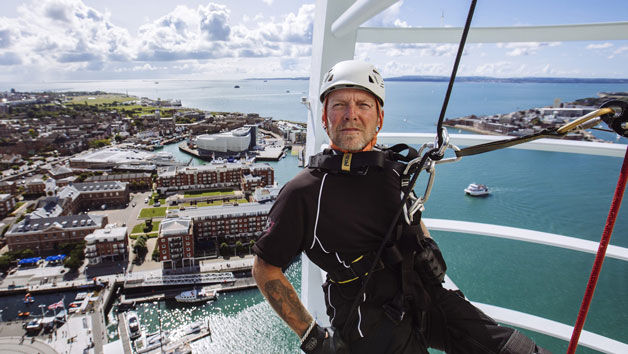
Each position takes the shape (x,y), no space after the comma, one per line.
(323,341)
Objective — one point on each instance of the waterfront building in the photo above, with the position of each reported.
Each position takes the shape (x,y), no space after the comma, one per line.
(266,194)
(7,203)
(108,244)
(176,242)
(45,235)
(233,143)
(227,223)
(216,176)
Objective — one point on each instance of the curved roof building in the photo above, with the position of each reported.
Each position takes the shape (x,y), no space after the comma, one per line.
(233,142)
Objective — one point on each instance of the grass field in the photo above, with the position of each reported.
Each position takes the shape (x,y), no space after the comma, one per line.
(152,212)
(102,99)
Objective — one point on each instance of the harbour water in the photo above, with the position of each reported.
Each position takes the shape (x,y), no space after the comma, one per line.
(567,194)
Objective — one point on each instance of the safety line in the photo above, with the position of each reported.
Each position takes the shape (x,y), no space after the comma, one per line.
(601,253)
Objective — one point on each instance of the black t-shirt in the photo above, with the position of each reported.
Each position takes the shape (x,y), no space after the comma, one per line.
(334,218)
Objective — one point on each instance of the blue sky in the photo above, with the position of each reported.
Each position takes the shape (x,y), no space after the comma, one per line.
(55,40)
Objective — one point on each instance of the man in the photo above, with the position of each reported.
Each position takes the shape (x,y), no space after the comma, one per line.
(339,217)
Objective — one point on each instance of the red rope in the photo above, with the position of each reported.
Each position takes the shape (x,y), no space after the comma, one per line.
(601,253)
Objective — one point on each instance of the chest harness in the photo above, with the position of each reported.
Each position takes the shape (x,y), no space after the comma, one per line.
(405,249)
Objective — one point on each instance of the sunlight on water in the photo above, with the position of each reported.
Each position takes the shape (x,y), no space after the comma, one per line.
(240,322)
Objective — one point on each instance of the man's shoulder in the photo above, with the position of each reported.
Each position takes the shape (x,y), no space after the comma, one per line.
(306,178)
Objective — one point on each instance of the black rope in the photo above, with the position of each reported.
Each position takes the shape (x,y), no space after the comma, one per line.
(452,78)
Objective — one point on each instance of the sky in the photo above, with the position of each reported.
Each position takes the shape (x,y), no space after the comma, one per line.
(58,40)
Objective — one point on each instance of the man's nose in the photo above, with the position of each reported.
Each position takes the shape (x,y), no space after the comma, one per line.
(351,111)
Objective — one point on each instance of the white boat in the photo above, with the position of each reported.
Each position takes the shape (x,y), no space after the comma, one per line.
(134,324)
(33,325)
(477,190)
(194,295)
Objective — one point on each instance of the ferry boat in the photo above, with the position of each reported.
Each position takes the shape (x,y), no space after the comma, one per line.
(133,325)
(193,296)
(336,32)
(477,190)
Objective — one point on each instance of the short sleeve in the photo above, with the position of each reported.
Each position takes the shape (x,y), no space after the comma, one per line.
(286,228)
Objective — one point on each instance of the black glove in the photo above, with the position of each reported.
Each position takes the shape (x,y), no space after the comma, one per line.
(430,263)
(323,341)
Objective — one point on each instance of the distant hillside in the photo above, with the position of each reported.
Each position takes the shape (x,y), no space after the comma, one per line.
(543,80)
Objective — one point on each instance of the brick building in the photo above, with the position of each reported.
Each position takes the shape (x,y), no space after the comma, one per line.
(7,203)
(176,243)
(77,197)
(8,187)
(108,244)
(45,235)
(229,175)
(132,179)
(214,225)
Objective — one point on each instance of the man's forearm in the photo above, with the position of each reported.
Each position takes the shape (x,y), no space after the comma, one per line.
(281,295)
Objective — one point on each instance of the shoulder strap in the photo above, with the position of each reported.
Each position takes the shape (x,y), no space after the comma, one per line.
(359,163)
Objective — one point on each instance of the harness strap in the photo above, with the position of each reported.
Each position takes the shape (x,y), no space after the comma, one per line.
(358,268)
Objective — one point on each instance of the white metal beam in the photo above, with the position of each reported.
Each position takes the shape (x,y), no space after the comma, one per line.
(555,145)
(577,32)
(360,12)
(514,233)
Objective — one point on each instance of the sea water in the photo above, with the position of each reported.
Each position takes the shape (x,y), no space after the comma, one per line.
(566,194)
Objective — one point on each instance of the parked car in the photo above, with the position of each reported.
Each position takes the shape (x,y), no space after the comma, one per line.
(157,204)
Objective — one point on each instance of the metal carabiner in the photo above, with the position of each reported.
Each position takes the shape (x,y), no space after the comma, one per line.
(418,202)
(450,159)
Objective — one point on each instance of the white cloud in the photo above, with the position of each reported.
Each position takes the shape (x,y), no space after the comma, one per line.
(525,48)
(599,46)
(268,2)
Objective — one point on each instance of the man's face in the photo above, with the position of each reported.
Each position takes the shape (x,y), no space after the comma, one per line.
(352,118)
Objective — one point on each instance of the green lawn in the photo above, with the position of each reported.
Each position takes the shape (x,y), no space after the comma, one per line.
(207,194)
(153,212)
(139,229)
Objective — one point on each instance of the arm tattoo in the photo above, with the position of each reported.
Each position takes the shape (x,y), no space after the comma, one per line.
(285,302)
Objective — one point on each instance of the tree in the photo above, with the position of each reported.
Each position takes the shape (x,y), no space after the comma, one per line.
(251,244)
(5,263)
(73,263)
(118,138)
(238,247)
(224,249)
(33,133)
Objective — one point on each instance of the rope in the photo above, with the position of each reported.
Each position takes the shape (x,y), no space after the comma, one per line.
(601,253)
(452,78)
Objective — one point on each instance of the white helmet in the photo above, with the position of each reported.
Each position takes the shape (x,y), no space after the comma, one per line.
(354,74)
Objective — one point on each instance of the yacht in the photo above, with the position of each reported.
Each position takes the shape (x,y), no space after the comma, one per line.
(477,190)
(336,32)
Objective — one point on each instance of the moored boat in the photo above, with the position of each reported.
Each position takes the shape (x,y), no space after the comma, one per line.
(194,295)
(134,324)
